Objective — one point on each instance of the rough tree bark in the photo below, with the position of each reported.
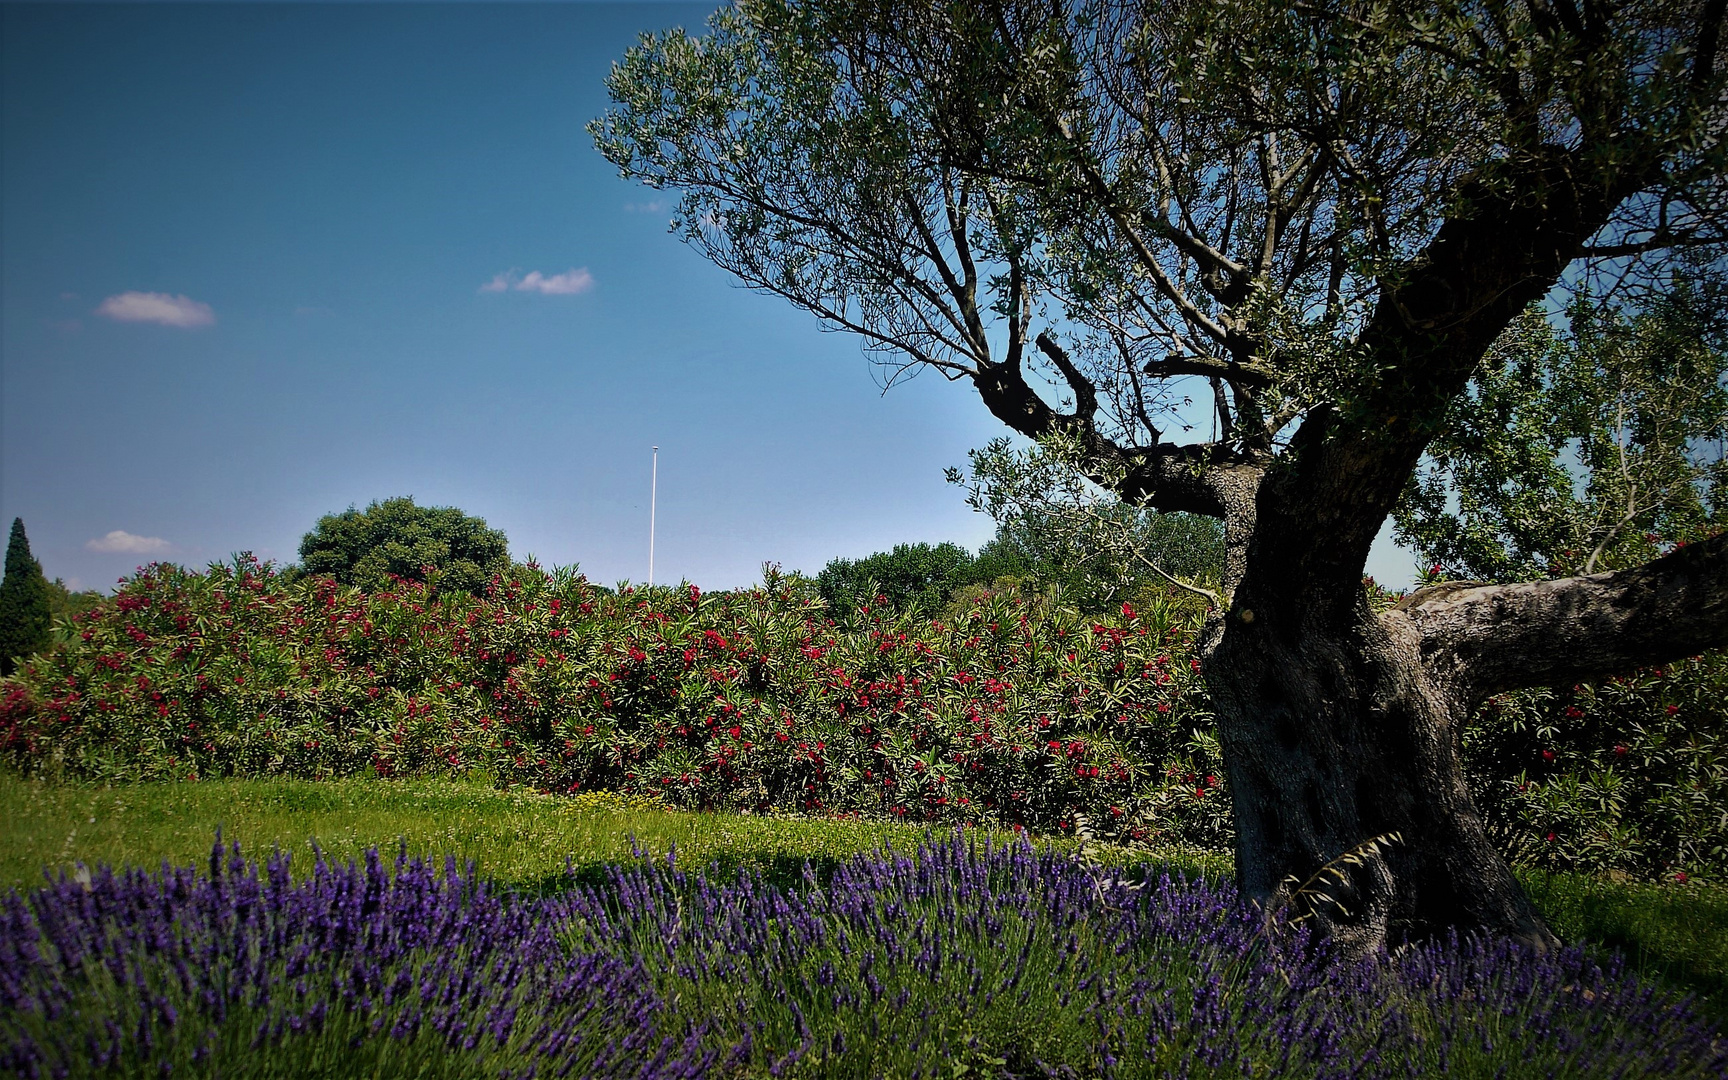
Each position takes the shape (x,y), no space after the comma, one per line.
(1341,724)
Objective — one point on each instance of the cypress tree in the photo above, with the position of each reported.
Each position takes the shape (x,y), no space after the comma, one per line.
(26,623)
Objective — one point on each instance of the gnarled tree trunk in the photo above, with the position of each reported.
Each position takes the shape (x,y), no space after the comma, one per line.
(1341,725)
(1334,734)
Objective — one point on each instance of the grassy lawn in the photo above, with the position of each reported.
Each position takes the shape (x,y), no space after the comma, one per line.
(516,837)
(520,838)
(1679,933)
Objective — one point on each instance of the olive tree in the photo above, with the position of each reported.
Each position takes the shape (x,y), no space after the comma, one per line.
(1316,219)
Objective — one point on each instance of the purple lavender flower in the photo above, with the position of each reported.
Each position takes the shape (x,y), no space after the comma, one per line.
(1000,958)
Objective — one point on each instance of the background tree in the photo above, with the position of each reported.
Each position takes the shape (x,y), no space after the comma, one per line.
(1592,445)
(26,619)
(65,605)
(912,577)
(1317,219)
(395,538)
(1064,530)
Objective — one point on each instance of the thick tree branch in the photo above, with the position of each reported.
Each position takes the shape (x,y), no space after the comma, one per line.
(1482,639)
(1709,40)
(1228,370)
(1349,462)
(1208,478)
(1085,394)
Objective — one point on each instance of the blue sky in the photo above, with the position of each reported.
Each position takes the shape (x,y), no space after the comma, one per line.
(259,262)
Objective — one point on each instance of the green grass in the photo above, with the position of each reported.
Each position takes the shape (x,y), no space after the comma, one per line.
(516,837)
(1677,933)
(519,838)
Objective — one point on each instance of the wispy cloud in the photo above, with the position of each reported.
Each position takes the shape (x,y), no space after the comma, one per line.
(155,307)
(122,542)
(652,206)
(569,283)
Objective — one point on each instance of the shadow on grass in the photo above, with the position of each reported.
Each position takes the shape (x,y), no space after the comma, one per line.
(792,872)
(1677,935)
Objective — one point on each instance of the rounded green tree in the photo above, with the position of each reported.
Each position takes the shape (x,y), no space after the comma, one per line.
(437,545)
(912,577)
(26,623)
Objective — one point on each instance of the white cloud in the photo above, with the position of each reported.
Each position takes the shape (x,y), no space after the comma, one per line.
(122,542)
(566,284)
(157,307)
(652,206)
(569,283)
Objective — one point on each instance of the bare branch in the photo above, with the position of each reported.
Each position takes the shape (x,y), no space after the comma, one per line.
(1662,240)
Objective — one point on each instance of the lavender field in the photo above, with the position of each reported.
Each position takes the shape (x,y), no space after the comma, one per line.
(963,959)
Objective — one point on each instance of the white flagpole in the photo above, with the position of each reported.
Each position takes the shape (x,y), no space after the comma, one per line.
(653,491)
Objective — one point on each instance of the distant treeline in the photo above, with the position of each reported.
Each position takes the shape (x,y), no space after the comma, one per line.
(930,578)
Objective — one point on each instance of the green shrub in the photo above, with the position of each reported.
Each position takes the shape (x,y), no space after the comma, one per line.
(912,577)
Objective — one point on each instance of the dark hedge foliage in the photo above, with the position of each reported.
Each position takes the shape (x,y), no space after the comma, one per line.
(1003,710)
(26,607)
